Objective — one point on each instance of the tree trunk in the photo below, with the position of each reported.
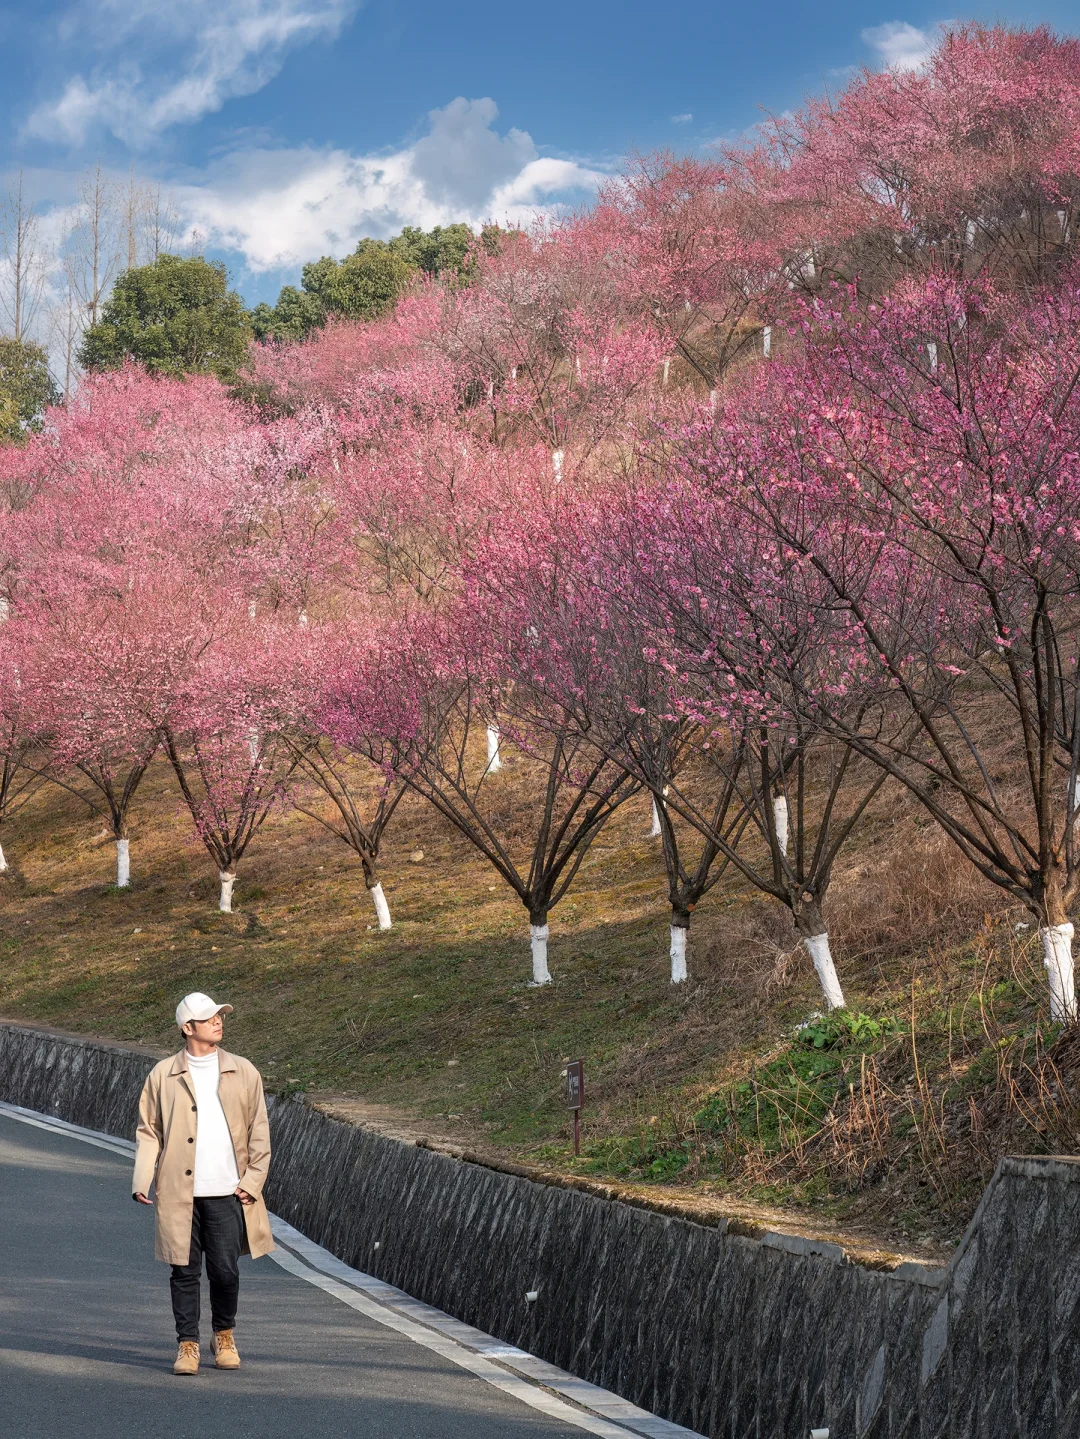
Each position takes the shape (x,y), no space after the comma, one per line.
(494,760)
(382,909)
(3,861)
(815,936)
(538,937)
(1056,934)
(821,954)
(123,865)
(654,833)
(228,879)
(1058,958)
(680,933)
(780,820)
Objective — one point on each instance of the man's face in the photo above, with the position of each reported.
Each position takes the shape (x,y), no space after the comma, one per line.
(208,1030)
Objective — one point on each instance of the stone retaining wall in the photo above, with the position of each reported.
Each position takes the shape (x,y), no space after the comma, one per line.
(732,1337)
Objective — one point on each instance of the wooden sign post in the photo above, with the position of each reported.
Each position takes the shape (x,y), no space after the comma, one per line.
(575,1096)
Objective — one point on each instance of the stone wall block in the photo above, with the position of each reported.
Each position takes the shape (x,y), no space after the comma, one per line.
(936,1403)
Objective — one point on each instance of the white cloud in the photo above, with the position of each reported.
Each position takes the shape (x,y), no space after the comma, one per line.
(279,207)
(682,119)
(901,46)
(153,64)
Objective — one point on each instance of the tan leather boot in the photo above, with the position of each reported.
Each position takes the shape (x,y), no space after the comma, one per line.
(224,1347)
(187,1357)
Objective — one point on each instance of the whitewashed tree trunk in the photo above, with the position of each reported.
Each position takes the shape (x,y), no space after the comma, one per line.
(821,954)
(766,341)
(494,759)
(5,608)
(667,371)
(254,740)
(679,936)
(227,881)
(3,861)
(655,831)
(931,351)
(1058,957)
(556,465)
(712,402)
(780,819)
(382,909)
(123,864)
(538,938)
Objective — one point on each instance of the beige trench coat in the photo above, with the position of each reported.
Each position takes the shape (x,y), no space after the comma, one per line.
(165,1150)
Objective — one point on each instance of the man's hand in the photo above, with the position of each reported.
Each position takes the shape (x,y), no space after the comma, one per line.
(142,1199)
(243,1196)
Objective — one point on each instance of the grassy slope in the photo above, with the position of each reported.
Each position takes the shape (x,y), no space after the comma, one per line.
(435,1019)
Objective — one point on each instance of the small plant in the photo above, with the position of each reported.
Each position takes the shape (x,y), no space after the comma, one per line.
(841,1029)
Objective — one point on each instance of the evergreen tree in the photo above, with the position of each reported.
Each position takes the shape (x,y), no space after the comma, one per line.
(26,389)
(365,284)
(175,316)
(368,282)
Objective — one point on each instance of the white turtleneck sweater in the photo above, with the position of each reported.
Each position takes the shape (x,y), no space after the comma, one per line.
(215,1160)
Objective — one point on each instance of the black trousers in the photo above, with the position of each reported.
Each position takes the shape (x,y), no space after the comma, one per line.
(217,1231)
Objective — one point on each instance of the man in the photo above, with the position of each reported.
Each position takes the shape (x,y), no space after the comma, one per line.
(204,1141)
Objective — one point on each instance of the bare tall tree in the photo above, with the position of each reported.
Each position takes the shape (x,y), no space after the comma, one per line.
(24,277)
(66,325)
(160,221)
(134,201)
(94,242)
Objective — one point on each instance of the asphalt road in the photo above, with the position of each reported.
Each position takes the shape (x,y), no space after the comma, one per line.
(87,1341)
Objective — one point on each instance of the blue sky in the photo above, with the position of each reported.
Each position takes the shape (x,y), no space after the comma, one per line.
(288,128)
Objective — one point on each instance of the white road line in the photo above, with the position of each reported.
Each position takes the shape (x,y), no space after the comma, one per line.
(483,1368)
(505,1367)
(125,1147)
(610,1407)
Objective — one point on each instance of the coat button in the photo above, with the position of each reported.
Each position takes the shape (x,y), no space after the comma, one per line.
(194,1107)
(191,1141)
(187,1171)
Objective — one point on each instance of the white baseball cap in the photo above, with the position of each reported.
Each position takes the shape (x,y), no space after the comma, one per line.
(198,1006)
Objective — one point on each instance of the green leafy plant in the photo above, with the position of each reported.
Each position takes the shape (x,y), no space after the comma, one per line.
(841,1029)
